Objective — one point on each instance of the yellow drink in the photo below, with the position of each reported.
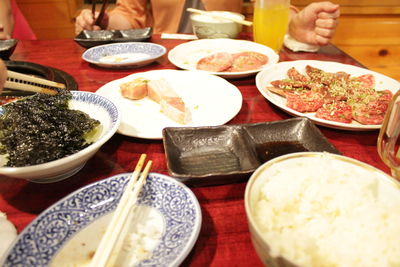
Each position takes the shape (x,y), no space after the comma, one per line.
(270,24)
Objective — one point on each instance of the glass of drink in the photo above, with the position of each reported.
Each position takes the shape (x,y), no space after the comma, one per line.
(271,19)
(388,140)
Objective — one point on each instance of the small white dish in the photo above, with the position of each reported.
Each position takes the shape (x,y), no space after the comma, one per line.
(186,55)
(124,55)
(173,205)
(211,100)
(96,107)
(279,71)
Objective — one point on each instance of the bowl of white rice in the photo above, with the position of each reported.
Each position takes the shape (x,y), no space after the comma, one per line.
(321,209)
(210,27)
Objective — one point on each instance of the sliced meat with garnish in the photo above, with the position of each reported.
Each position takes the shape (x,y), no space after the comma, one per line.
(248,60)
(297,76)
(368,80)
(306,101)
(338,111)
(217,62)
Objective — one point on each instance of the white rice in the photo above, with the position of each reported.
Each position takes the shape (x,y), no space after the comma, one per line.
(320,212)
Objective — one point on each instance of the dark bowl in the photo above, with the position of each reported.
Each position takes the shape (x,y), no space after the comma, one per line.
(89,39)
(7,48)
(226,154)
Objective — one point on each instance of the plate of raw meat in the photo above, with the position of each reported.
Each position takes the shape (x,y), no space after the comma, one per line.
(150,101)
(228,58)
(329,93)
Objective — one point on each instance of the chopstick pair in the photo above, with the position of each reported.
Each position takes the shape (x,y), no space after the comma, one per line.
(107,251)
(23,82)
(101,13)
(220,16)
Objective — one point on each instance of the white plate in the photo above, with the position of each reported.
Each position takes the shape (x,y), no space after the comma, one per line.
(83,213)
(211,100)
(279,71)
(123,55)
(186,55)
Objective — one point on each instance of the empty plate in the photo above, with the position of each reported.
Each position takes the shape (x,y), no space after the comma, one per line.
(124,55)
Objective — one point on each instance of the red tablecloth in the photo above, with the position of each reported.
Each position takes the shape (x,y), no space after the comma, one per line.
(224,239)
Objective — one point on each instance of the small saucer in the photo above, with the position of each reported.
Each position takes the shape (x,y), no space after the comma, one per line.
(124,55)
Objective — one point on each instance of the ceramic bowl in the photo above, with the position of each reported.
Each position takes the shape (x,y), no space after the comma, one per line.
(7,48)
(207,27)
(308,209)
(95,106)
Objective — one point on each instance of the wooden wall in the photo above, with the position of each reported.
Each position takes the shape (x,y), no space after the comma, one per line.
(369,30)
(50,19)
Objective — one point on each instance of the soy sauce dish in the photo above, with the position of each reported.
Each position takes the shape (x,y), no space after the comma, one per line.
(124,55)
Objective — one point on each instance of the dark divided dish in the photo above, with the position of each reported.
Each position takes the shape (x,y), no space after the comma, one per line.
(89,39)
(200,156)
(7,48)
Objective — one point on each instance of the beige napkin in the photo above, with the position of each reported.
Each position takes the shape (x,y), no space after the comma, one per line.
(297,46)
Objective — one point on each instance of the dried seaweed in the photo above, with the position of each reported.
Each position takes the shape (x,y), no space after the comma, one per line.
(42,128)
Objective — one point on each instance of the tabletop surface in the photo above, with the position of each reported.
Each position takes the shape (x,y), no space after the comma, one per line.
(224,239)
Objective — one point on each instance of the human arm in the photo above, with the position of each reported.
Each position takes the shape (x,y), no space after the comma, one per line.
(6,19)
(315,24)
(127,14)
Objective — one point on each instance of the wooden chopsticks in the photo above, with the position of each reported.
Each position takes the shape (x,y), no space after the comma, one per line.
(23,82)
(107,251)
(101,14)
(220,16)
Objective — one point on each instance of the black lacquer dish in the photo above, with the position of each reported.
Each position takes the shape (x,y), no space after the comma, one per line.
(89,39)
(7,48)
(230,153)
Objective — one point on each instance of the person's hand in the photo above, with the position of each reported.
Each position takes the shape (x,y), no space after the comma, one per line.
(315,24)
(85,21)
(3,75)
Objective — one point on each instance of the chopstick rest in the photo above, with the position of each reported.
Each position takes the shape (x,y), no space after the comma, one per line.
(23,82)
(107,251)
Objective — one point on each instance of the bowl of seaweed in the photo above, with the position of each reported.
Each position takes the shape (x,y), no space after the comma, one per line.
(47,138)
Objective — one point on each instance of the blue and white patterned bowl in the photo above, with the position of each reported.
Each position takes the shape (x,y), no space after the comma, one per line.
(41,240)
(95,106)
(124,55)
